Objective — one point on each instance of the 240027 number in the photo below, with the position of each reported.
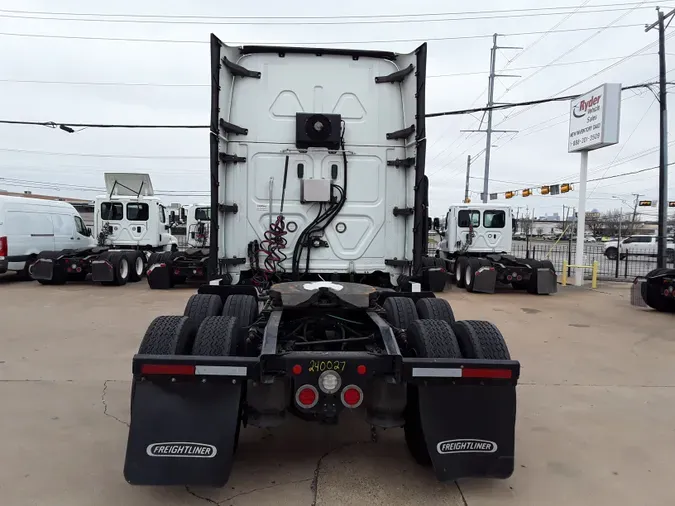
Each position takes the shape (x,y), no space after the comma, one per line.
(327,365)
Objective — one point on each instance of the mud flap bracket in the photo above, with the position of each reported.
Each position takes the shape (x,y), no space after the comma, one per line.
(469,429)
(547,281)
(182,433)
(485,281)
(43,268)
(101,271)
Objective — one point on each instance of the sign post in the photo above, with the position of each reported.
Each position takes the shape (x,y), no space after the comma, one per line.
(594,124)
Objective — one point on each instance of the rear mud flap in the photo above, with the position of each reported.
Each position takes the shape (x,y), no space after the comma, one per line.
(637,293)
(43,268)
(469,429)
(182,433)
(547,281)
(159,277)
(101,271)
(485,281)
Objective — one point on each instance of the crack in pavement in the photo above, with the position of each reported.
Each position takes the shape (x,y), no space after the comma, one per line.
(240,494)
(314,487)
(461,494)
(194,494)
(105,404)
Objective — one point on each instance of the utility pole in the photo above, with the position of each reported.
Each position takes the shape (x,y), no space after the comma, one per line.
(663,159)
(468,175)
(489,131)
(632,221)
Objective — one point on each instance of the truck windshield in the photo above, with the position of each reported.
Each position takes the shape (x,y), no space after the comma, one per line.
(203,214)
(112,211)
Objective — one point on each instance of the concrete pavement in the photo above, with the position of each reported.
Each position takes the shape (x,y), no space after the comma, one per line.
(595,409)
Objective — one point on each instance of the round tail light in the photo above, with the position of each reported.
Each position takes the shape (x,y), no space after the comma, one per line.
(306,396)
(352,396)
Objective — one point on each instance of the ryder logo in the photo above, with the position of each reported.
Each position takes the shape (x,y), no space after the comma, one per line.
(466,446)
(182,449)
(583,106)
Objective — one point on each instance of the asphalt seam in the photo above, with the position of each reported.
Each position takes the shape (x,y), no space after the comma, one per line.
(105,405)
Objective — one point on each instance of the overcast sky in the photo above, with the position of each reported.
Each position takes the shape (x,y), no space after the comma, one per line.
(535,156)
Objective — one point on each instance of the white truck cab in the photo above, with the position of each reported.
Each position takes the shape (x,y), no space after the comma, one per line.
(129,215)
(477,228)
(198,225)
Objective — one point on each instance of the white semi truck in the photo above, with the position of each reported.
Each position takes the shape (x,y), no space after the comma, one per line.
(314,306)
(131,229)
(475,249)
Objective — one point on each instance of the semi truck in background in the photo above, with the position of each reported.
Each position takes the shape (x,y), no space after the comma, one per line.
(317,300)
(130,226)
(475,249)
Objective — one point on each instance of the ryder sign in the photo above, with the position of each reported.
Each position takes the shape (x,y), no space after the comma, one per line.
(594,119)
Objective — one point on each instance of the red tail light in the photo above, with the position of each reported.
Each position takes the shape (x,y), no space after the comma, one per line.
(352,396)
(3,246)
(307,396)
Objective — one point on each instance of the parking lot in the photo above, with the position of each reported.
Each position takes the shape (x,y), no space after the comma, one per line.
(596,404)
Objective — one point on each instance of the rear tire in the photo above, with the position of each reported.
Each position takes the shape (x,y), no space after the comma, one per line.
(428,339)
(611,253)
(481,339)
(435,309)
(243,307)
(168,335)
(460,267)
(202,305)
(136,266)
(400,312)
(472,266)
(220,336)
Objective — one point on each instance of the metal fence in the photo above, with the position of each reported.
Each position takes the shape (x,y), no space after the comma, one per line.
(625,267)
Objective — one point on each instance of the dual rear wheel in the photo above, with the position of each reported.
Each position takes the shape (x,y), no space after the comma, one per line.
(431,331)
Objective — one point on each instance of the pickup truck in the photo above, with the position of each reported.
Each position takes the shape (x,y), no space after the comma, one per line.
(638,245)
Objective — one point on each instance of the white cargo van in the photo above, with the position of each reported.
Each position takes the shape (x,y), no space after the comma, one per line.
(29,226)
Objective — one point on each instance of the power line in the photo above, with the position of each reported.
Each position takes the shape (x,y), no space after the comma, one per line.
(523,104)
(159,157)
(204,85)
(466,16)
(344,16)
(53,124)
(304,43)
(519,69)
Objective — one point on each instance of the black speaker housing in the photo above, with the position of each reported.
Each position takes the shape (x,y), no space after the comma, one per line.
(315,130)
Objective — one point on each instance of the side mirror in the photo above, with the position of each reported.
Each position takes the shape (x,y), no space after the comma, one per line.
(183,214)
(88,231)
(514,224)
(437,223)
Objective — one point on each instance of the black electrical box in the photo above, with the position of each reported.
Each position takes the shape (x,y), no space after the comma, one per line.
(317,130)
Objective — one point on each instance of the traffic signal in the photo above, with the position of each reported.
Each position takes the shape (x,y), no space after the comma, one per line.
(467,200)
(564,188)
(509,195)
(545,190)
(645,203)
(527,192)
(671,204)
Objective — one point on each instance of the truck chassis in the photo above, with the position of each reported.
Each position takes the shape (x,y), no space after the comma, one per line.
(108,266)
(313,350)
(482,272)
(655,290)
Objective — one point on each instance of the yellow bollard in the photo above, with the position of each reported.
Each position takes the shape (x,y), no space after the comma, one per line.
(564,273)
(594,279)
